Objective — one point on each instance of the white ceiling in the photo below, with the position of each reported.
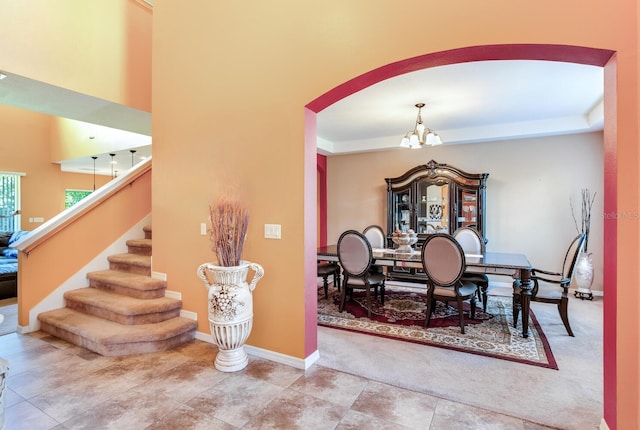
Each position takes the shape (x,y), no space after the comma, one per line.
(120,129)
(465,103)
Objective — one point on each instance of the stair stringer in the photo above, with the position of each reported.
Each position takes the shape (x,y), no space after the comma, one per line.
(55,300)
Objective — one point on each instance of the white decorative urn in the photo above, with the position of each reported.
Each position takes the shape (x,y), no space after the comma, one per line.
(584,274)
(230,304)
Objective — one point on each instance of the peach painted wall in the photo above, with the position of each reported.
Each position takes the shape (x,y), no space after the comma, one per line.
(527,203)
(99,48)
(24,147)
(246,88)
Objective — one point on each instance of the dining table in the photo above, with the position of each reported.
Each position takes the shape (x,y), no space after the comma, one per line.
(515,266)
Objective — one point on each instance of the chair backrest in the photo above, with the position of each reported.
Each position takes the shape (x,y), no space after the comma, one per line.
(354,253)
(571,256)
(470,240)
(442,259)
(375,235)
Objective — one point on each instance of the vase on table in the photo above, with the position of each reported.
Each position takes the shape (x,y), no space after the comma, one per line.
(584,276)
(230,308)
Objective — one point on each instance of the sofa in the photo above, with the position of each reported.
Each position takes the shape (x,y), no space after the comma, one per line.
(9,263)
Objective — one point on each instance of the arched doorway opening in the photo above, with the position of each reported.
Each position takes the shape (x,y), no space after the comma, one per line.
(562,53)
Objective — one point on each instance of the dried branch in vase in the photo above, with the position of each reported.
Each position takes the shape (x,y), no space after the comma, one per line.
(585,215)
(229,220)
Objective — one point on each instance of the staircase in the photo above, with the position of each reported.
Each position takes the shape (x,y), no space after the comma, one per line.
(124,310)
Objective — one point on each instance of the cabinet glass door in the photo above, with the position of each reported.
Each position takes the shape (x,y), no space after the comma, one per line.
(402,210)
(467,209)
(432,207)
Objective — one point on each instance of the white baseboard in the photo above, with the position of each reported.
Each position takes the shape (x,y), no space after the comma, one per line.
(298,363)
(603,425)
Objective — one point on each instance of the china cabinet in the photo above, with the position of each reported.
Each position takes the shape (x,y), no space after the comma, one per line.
(436,198)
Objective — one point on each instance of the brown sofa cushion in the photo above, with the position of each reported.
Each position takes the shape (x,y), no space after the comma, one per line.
(4,238)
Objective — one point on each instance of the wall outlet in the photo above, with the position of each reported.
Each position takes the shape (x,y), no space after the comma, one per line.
(203,229)
(273,231)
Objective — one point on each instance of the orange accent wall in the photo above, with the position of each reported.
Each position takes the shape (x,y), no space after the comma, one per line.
(246,91)
(24,147)
(99,48)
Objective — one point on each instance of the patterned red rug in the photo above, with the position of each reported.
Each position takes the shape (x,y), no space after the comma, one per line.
(403,315)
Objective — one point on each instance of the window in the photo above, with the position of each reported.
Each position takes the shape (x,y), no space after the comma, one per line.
(10,201)
(71,197)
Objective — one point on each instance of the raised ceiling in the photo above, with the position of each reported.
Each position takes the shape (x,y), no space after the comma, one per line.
(467,103)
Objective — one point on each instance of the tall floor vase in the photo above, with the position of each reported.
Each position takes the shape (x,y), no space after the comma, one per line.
(230,303)
(584,276)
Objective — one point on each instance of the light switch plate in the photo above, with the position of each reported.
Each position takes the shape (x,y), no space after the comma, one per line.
(272,231)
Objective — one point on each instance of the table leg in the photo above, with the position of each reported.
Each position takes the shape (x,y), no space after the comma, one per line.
(525,299)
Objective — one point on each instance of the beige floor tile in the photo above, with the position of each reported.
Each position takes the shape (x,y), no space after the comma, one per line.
(11,397)
(54,385)
(456,416)
(70,400)
(25,416)
(292,410)
(396,405)
(186,380)
(186,418)
(134,409)
(235,399)
(354,420)
(272,372)
(330,385)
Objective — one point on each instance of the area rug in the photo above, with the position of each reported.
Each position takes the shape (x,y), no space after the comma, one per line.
(402,317)
(9,310)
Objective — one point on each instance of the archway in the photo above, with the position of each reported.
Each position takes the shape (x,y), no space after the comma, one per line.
(563,53)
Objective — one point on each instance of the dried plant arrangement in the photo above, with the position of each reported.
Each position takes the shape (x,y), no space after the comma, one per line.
(585,215)
(229,220)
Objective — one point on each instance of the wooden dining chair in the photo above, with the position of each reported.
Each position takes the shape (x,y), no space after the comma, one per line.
(376,236)
(326,269)
(356,256)
(378,239)
(443,262)
(553,287)
(471,243)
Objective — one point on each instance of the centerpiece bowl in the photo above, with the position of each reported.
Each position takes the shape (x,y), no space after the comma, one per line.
(404,241)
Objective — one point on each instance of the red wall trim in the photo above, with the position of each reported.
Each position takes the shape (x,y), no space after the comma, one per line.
(322,199)
(564,53)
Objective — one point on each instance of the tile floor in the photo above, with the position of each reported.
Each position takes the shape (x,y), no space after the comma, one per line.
(52,384)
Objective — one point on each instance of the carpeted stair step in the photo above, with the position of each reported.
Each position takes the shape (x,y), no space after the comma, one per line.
(147,231)
(122,309)
(112,339)
(132,263)
(139,246)
(127,284)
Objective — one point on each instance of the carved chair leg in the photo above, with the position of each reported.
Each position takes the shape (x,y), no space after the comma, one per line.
(343,295)
(431,303)
(564,315)
(325,284)
(368,292)
(484,288)
(473,307)
(461,313)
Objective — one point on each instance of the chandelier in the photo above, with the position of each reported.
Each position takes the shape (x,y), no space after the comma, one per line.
(421,136)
